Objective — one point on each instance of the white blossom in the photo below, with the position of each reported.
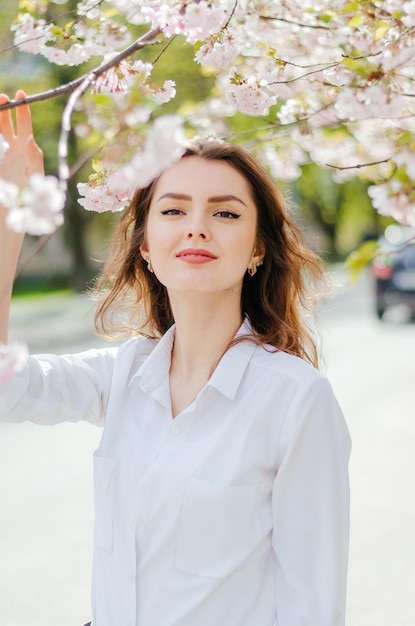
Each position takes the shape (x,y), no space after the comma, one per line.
(167,18)
(251,96)
(393,200)
(30,34)
(332,68)
(166,93)
(99,198)
(164,145)
(37,209)
(202,19)
(218,52)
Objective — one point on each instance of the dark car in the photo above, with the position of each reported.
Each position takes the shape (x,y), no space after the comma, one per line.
(394,269)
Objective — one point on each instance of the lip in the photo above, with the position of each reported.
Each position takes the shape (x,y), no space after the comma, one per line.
(196,255)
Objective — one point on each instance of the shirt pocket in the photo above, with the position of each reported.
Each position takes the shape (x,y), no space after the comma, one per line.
(219,527)
(104,524)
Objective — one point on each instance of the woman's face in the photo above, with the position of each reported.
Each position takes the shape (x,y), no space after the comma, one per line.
(201,227)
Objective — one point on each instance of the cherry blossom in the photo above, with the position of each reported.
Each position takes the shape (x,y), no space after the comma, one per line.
(340,73)
(202,19)
(166,93)
(35,209)
(218,51)
(394,199)
(12,359)
(30,35)
(165,143)
(98,197)
(250,95)
(168,19)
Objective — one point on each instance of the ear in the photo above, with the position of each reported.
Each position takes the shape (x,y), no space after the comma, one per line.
(144,249)
(258,254)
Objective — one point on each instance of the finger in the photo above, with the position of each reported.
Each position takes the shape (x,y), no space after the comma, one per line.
(6,122)
(24,126)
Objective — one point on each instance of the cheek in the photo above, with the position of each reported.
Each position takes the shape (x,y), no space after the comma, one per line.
(157,236)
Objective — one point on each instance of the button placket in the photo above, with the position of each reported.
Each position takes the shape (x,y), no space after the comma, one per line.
(175,430)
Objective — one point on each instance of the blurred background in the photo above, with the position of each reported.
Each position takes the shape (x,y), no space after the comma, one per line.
(46,513)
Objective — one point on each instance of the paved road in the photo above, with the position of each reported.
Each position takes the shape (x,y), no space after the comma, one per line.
(46,490)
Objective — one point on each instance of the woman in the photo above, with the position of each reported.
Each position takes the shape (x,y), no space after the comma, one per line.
(221,485)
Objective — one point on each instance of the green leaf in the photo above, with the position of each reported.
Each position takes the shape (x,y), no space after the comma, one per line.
(96,165)
(359,259)
(357,20)
(56,31)
(350,7)
(381,30)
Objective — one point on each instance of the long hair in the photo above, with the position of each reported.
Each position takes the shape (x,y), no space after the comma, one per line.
(276,299)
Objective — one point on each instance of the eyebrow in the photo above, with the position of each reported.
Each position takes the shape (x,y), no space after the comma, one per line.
(212,199)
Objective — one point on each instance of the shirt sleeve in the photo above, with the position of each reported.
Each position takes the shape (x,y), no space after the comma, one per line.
(311,511)
(52,389)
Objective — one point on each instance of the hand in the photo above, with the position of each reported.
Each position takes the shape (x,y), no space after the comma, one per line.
(24,157)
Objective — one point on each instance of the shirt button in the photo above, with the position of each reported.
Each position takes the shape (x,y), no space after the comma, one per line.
(175,431)
(143,528)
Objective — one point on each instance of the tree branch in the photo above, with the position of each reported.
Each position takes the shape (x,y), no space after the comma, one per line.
(146,39)
(358,166)
(291,22)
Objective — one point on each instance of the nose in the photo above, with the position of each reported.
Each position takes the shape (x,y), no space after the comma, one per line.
(197,229)
(195,234)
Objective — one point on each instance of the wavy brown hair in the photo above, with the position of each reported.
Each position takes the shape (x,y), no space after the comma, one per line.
(275,299)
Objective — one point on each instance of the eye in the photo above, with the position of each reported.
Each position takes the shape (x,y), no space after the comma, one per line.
(172,211)
(231,215)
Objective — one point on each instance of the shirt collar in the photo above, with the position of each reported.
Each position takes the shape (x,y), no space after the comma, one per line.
(226,377)
(228,374)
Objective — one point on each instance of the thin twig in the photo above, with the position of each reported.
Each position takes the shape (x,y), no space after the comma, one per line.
(358,166)
(147,39)
(231,15)
(292,23)
(169,42)
(292,80)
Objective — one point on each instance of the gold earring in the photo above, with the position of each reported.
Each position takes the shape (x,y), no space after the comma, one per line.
(149,266)
(253,269)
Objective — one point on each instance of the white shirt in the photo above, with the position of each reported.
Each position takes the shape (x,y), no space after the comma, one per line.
(235,513)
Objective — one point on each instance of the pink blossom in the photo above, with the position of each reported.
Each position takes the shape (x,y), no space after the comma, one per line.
(201,20)
(75,55)
(409,19)
(393,200)
(163,146)
(166,93)
(115,80)
(12,359)
(39,206)
(406,159)
(218,52)
(99,198)
(89,8)
(30,34)
(251,96)
(4,146)
(168,19)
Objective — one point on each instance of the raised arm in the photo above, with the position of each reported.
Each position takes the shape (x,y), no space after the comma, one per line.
(23,158)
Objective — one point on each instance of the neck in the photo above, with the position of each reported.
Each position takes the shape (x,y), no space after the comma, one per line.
(204,326)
